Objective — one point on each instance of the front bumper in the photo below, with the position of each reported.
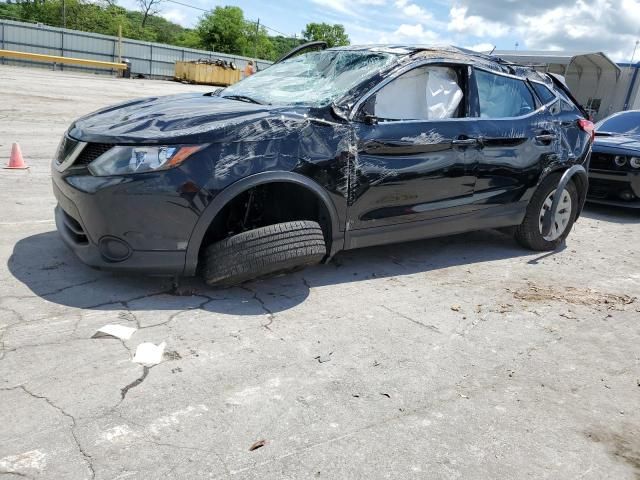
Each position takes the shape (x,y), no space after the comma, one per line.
(160,263)
(614,188)
(133,226)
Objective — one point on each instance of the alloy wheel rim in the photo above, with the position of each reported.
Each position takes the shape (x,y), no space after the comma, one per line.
(562,217)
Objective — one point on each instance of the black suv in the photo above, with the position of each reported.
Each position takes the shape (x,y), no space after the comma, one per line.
(325,151)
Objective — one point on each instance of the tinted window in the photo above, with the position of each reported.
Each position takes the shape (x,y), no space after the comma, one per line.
(502,97)
(627,122)
(544,94)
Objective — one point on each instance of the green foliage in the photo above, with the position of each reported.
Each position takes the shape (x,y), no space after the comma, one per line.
(334,35)
(224,29)
(282,45)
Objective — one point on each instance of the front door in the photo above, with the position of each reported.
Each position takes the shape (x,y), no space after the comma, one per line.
(416,151)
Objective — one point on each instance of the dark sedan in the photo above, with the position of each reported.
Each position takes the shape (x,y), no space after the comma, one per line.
(614,176)
(325,151)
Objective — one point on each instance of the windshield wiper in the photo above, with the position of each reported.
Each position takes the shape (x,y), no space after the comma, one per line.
(242,98)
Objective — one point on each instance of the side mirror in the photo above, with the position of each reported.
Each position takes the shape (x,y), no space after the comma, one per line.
(368,108)
(370,119)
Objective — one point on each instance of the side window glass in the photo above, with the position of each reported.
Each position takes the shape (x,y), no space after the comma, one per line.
(426,93)
(544,94)
(503,97)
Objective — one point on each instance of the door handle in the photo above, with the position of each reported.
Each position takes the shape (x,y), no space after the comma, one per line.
(546,137)
(464,141)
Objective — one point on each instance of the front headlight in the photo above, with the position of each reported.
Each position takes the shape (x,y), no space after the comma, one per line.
(126,160)
(634,162)
(620,160)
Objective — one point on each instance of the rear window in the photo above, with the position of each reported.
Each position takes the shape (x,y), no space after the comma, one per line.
(503,97)
(544,93)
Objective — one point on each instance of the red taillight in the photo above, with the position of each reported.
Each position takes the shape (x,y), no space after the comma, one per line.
(587,126)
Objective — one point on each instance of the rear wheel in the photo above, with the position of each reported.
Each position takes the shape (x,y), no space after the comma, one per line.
(529,233)
(264,251)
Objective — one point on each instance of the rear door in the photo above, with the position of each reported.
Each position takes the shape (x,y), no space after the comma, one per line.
(517,134)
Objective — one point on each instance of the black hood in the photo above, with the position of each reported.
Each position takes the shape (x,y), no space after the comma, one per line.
(618,144)
(186,118)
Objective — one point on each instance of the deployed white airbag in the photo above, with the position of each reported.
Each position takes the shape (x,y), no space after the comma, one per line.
(429,93)
(443,93)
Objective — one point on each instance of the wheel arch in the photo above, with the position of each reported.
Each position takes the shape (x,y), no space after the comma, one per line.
(241,186)
(574,172)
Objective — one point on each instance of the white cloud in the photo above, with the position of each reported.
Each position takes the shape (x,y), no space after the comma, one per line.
(410,34)
(481,47)
(612,26)
(413,11)
(461,22)
(347,8)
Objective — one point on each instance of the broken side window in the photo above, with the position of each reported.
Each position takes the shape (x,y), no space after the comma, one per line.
(503,97)
(425,93)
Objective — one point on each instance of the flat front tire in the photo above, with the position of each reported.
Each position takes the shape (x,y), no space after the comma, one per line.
(529,233)
(263,251)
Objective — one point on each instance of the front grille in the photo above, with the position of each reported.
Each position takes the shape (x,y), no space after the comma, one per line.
(602,161)
(65,148)
(90,152)
(606,161)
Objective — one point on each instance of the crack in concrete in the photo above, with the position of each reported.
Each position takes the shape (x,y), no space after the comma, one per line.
(17,474)
(36,345)
(68,287)
(270,315)
(88,459)
(173,316)
(433,328)
(135,383)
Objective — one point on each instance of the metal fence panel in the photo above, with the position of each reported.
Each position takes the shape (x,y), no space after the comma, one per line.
(147,58)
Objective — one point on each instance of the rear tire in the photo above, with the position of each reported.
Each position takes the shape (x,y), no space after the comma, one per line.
(263,251)
(529,232)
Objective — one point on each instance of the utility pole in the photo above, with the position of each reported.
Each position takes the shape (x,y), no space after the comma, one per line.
(255,43)
(64,14)
(633,55)
(120,43)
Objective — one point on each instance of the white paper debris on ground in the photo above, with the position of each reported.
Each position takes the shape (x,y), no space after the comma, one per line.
(149,353)
(117,331)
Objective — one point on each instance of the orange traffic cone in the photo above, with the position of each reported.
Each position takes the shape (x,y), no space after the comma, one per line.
(15,160)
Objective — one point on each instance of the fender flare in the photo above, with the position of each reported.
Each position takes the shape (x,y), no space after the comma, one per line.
(564,180)
(236,188)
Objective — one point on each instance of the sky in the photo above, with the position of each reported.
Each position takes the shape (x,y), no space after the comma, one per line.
(612,26)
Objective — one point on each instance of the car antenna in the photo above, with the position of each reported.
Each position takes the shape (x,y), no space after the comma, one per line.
(492,50)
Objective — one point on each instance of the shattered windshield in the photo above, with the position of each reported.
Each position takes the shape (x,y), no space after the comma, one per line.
(314,79)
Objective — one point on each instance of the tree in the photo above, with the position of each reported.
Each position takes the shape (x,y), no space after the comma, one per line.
(282,45)
(148,7)
(224,30)
(334,35)
(259,44)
